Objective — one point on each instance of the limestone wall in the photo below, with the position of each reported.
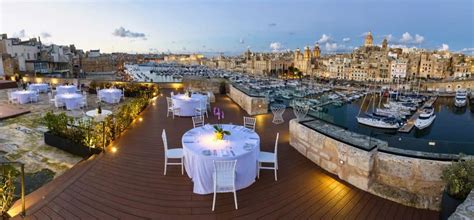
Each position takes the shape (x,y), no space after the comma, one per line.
(252,105)
(203,84)
(410,181)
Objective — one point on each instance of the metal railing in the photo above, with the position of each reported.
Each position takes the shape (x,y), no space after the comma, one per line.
(22,181)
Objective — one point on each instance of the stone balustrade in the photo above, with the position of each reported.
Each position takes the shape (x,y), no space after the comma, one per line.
(252,105)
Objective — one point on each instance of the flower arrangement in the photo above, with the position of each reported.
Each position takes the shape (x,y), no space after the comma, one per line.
(220,132)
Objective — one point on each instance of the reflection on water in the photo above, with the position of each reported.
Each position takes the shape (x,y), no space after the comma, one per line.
(451,132)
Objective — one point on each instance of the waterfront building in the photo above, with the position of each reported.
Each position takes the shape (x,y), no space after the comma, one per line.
(398,68)
(22,51)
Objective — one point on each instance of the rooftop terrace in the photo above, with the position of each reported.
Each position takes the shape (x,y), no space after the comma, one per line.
(129,183)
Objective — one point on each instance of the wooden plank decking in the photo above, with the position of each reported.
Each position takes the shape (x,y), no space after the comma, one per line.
(10,111)
(129,184)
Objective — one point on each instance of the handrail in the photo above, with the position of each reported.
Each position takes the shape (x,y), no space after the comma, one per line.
(22,177)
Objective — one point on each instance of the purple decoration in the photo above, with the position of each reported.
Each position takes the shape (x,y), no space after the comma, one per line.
(222,114)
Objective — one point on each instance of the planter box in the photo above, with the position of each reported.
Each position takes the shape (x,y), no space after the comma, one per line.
(448,205)
(69,146)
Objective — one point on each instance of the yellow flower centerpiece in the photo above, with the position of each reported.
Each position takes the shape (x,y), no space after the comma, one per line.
(220,132)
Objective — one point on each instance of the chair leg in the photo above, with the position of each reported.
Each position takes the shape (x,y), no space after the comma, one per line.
(214,200)
(182,168)
(275,174)
(235,199)
(258,170)
(165,166)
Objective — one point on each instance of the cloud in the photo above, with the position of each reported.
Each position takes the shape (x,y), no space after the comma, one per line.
(45,35)
(276,46)
(389,37)
(324,39)
(419,39)
(335,47)
(444,47)
(397,46)
(407,38)
(467,50)
(241,41)
(20,34)
(346,39)
(272,24)
(122,32)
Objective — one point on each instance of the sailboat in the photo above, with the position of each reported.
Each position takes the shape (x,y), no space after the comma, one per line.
(373,120)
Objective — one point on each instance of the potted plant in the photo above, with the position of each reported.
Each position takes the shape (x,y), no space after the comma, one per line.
(220,132)
(459,181)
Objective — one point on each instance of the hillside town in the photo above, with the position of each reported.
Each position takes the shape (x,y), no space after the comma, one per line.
(371,62)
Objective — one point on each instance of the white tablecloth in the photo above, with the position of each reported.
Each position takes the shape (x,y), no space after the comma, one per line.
(109,95)
(70,100)
(23,96)
(242,145)
(97,116)
(42,87)
(188,105)
(66,89)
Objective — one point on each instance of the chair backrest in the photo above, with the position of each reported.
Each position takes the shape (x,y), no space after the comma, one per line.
(198,121)
(172,93)
(225,174)
(165,141)
(249,122)
(50,95)
(276,145)
(169,102)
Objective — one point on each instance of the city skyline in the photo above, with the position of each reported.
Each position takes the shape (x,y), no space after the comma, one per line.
(232,27)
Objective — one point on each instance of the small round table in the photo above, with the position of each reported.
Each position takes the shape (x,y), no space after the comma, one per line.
(66,89)
(95,114)
(200,149)
(111,96)
(188,105)
(41,87)
(23,97)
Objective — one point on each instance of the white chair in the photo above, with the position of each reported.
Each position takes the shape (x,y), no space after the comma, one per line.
(269,157)
(11,99)
(202,109)
(171,93)
(278,110)
(123,94)
(35,96)
(198,121)
(51,99)
(58,103)
(171,109)
(84,101)
(224,179)
(249,122)
(176,153)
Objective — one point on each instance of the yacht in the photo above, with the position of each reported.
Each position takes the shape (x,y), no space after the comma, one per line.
(460,100)
(379,122)
(426,118)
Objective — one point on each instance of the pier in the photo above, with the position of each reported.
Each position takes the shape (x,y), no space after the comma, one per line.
(406,128)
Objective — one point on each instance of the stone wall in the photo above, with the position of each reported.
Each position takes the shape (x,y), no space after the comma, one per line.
(203,84)
(410,181)
(252,105)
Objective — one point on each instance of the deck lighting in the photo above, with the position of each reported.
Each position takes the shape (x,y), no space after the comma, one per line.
(140,119)
(113,149)
(432,143)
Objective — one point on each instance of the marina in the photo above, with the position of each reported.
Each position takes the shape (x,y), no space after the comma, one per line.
(411,122)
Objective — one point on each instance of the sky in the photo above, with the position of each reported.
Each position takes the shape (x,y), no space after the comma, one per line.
(233,26)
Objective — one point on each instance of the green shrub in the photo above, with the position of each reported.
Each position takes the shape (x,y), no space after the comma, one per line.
(459,178)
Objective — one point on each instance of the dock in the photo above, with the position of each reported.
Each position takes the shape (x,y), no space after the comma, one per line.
(407,127)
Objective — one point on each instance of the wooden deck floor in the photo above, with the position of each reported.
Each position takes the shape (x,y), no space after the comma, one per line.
(129,184)
(10,111)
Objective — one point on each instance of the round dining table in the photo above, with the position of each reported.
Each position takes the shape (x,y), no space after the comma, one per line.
(66,89)
(200,149)
(41,87)
(70,100)
(24,96)
(111,96)
(188,105)
(98,117)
